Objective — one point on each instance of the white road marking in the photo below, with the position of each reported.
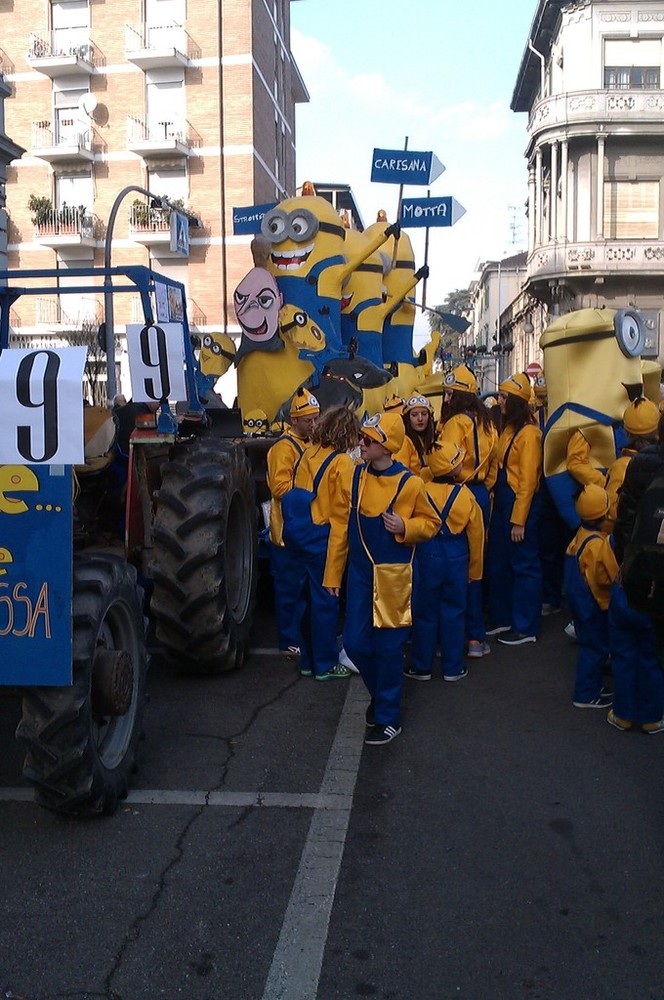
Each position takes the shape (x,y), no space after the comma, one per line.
(298,957)
(192,797)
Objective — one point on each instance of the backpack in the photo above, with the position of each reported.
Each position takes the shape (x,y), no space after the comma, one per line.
(643,565)
(300,534)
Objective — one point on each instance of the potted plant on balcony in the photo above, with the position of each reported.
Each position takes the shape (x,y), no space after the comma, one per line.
(42,210)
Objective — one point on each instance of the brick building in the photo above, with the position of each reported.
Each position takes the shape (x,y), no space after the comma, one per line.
(193,101)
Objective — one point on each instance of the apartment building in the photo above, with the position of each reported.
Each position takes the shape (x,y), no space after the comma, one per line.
(8,151)
(193,101)
(590,82)
(498,284)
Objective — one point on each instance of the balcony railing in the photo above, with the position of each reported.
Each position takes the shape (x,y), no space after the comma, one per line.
(591,106)
(63,50)
(144,218)
(69,140)
(75,314)
(171,136)
(65,221)
(597,258)
(150,45)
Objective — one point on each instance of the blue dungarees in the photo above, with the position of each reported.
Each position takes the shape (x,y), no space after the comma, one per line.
(376,652)
(475,601)
(592,631)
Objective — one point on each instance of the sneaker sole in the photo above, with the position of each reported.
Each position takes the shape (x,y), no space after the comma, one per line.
(418,677)
(517,642)
(456,677)
(376,742)
(584,704)
(333,677)
(498,630)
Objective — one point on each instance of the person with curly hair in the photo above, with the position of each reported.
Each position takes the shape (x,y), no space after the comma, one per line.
(321,470)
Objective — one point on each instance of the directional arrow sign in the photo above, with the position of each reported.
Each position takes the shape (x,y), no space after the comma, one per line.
(404,166)
(423,212)
(247,221)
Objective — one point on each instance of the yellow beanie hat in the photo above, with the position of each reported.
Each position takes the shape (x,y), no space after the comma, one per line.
(304,404)
(517,385)
(393,402)
(460,378)
(444,458)
(387,429)
(592,503)
(641,417)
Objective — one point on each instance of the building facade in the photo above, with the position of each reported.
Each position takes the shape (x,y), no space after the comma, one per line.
(192,101)
(590,81)
(498,284)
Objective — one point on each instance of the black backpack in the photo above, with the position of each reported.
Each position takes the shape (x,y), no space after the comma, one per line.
(643,565)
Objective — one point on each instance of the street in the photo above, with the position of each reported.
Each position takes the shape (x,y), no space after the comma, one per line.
(505,846)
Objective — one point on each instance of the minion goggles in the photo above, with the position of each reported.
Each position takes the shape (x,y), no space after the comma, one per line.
(299,226)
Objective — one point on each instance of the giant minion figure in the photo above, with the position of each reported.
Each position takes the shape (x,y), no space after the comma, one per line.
(592,369)
(362,299)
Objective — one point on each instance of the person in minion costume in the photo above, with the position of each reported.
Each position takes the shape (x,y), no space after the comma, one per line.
(592,367)
(445,565)
(420,434)
(641,421)
(215,358)
(385,512)
(255,424)
(284,566)
(362,299)
(513,563)
(590,569)
(469,427)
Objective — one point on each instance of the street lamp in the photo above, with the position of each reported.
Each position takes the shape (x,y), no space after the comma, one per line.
(109,332)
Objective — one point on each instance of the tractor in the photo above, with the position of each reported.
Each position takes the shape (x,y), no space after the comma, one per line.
(99,534)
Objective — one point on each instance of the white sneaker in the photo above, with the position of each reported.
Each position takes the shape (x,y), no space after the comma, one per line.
(570,631)
(345,661)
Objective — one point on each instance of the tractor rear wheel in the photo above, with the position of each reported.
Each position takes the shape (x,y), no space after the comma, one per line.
(81,740)
(204,558)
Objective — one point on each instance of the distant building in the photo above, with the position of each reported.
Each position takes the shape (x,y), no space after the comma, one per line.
(499,283)
(194,101)
(590,81)
(8,151)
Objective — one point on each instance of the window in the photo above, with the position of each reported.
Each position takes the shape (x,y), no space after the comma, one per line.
(165,98)
(72,127)
(70,20)
(631,209)
(632,63)
(171,184)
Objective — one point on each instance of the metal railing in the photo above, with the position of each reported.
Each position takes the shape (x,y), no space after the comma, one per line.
(66,221)
(157,37)
(77,313)
(145,218)
(174,129)
(61,43)
(45,136)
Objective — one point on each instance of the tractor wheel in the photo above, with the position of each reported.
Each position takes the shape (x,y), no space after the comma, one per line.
(81,740)
(204,557)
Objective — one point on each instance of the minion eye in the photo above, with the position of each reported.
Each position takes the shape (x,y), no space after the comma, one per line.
(299,225)
(207,341)
(216,348)
(630,332)
(316,332)
(300,319)
(273,226)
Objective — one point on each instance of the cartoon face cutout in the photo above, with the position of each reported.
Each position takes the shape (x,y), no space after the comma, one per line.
(257,302)
(217,353)
(255,423)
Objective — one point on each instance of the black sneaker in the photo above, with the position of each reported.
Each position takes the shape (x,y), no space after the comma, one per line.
(369,715)
(516,638)
(381,734)
(603,701)
(417,675)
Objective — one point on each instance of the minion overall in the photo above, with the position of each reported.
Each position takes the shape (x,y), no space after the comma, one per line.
(286,568)
(515,573)
(445,564)
(590,568)
(480,468)
(387,513)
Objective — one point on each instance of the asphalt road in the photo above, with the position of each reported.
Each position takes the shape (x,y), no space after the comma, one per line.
(505,846)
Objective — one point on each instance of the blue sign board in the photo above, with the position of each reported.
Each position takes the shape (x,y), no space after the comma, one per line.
(247,221)
(425,212)
(179,234)
(404,166)
(36,574)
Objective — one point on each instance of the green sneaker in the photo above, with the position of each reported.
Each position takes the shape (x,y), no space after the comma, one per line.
(337,673)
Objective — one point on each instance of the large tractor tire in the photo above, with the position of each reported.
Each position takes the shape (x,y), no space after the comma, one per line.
(204,558)
(81,740)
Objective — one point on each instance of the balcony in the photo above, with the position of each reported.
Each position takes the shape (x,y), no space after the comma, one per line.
(79,312)
(70,141)
(150,46)
(597,259)
(149,226)
(173,138)
(61,52)
(65,227)
(589,107)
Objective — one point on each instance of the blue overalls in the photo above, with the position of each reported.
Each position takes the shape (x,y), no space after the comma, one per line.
(324,311)
(318,610)
(376,652)
(592,630)
(286,573)
(439,598)
(515,572)
(475,628)
(638,680)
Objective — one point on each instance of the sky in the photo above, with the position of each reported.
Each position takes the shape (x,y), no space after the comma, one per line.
(439,74)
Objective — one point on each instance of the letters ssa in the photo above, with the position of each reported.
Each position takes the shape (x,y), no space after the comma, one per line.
(21,616)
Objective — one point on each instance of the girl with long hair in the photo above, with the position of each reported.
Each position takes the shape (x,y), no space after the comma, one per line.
(420,435)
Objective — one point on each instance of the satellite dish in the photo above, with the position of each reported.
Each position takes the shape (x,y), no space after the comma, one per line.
(88,103)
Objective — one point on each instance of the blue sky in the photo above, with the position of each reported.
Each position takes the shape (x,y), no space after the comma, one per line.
(443,75)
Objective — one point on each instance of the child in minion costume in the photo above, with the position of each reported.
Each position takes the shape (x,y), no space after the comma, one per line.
(469,427)
(590,569)
(445,565)
(285,567)
(386,511)
(514,569)
(640,420)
